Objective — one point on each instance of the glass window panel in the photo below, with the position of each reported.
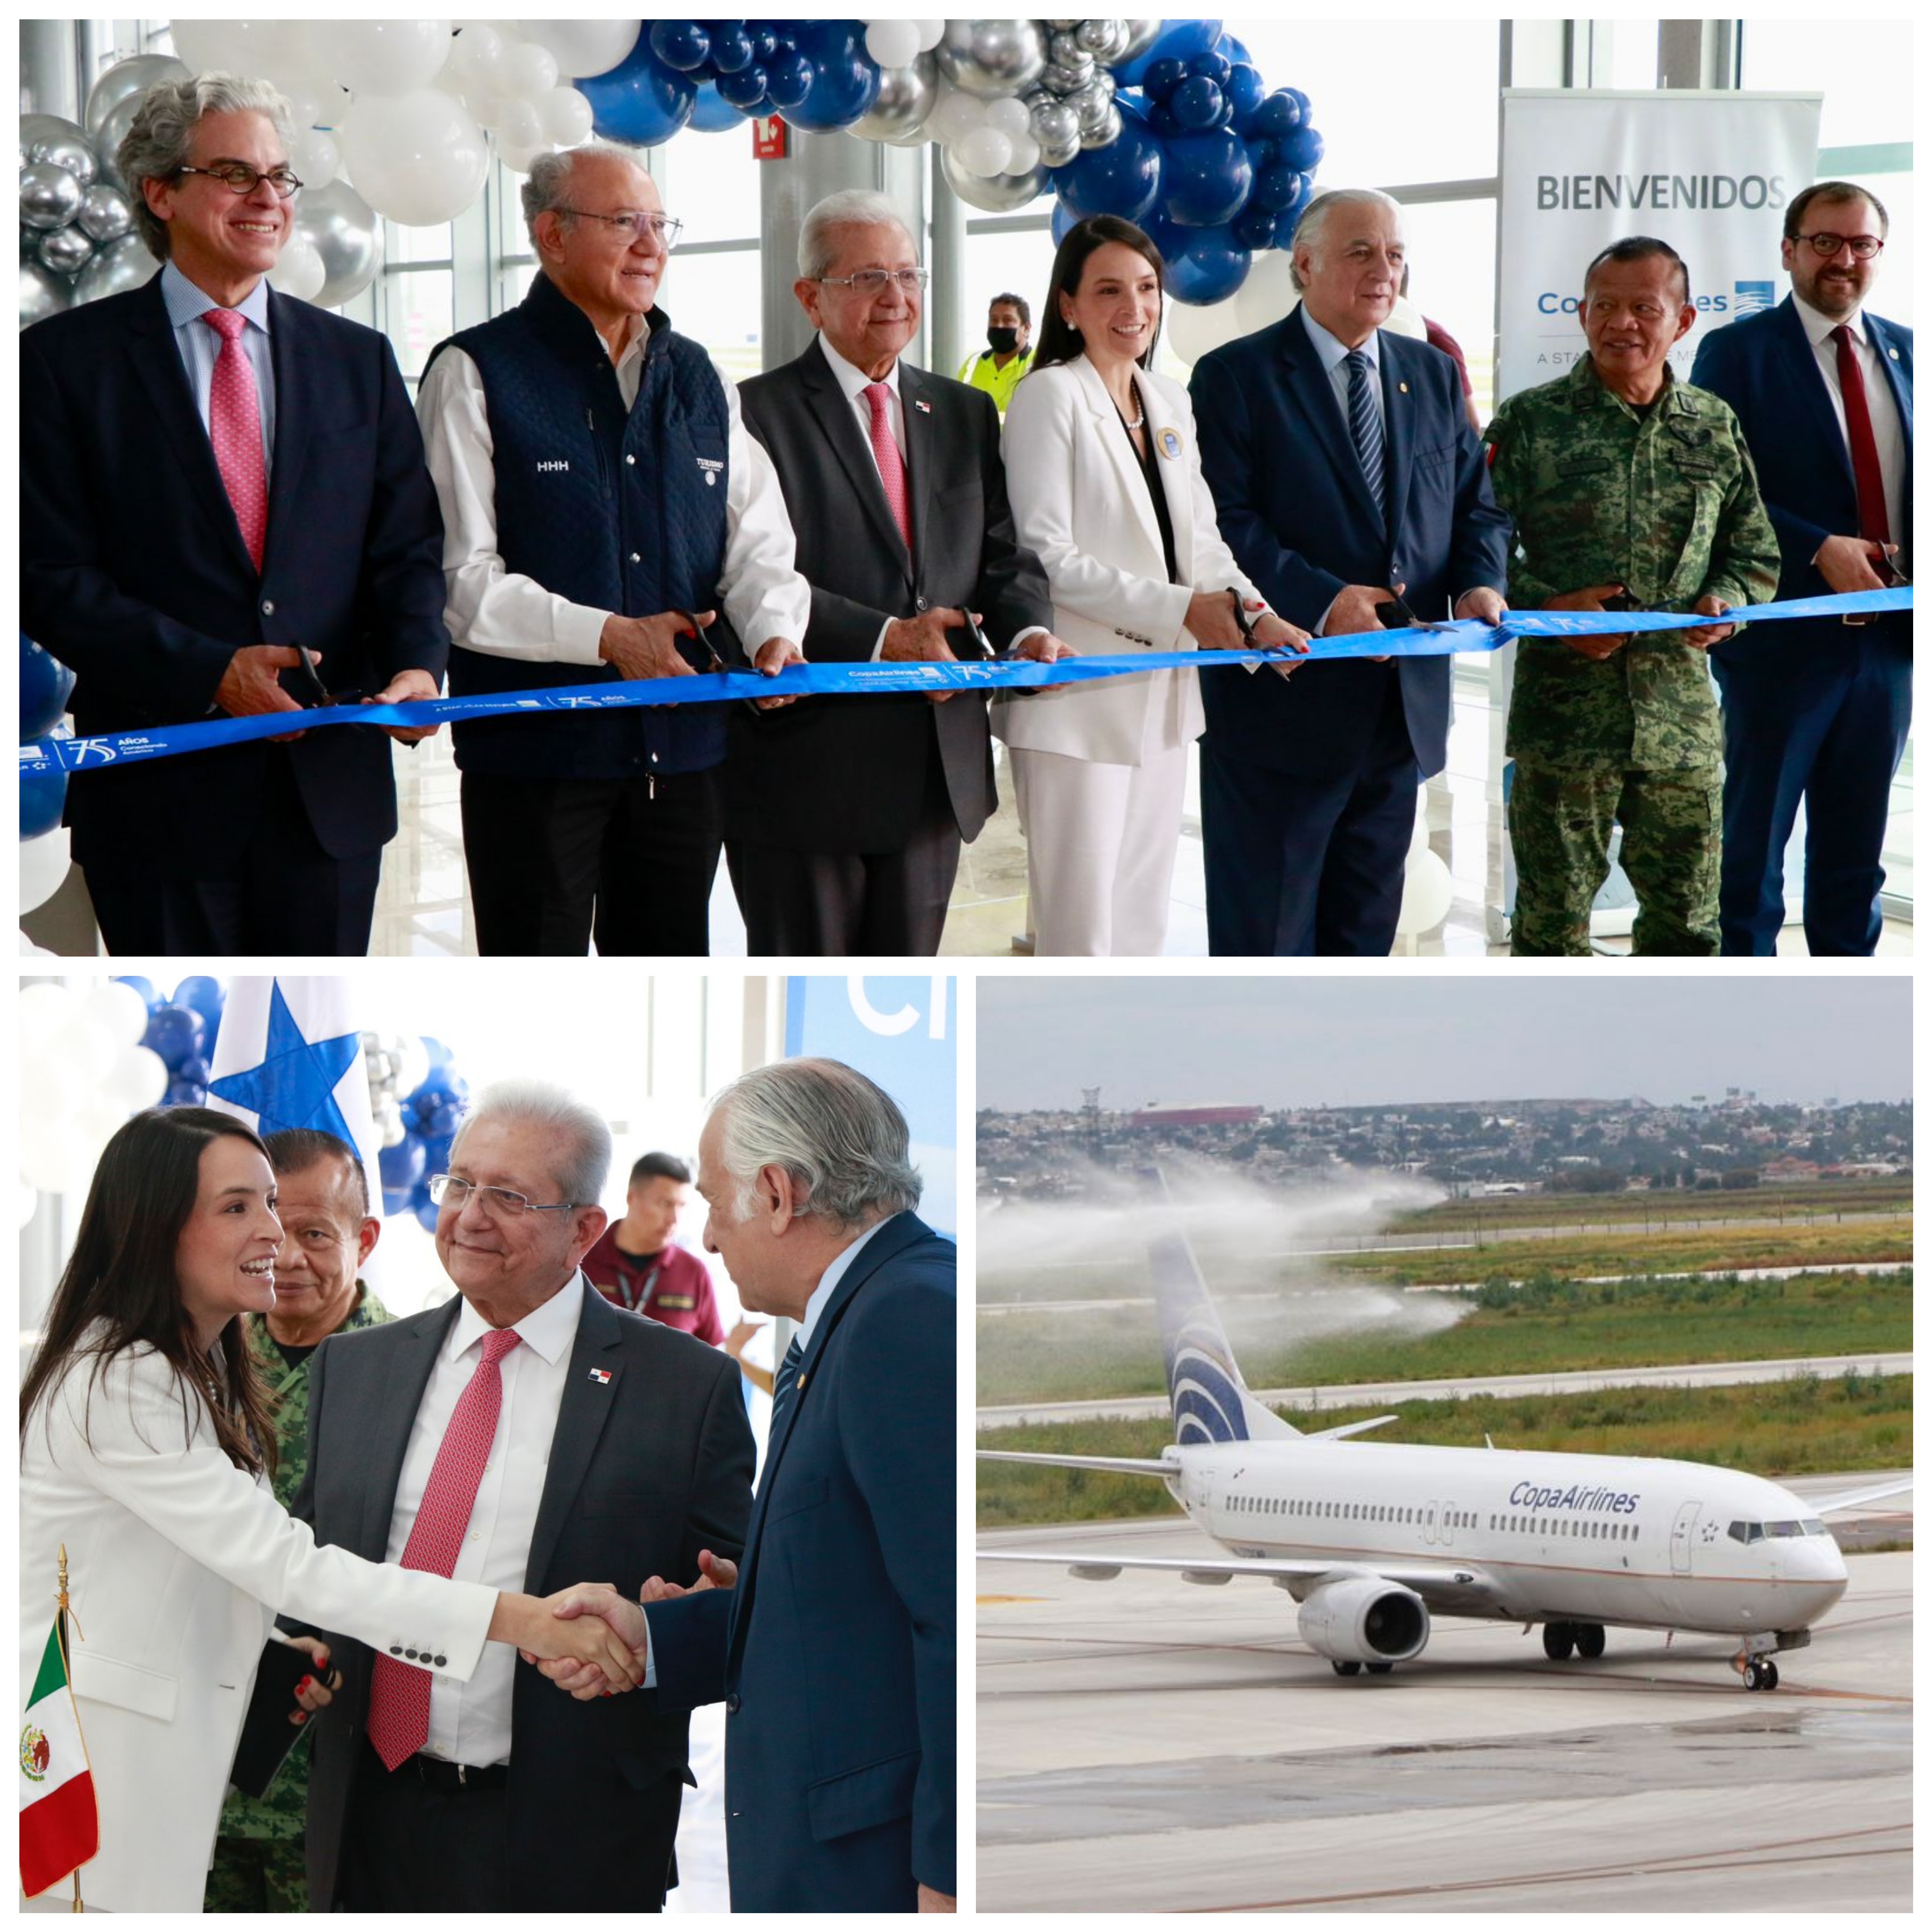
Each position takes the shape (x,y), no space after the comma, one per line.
(420,315)
(710,183)
(995,264)
(715,299)
(1631,60)
(1407,101)
(1868,92)
(419,244)
(1452,279)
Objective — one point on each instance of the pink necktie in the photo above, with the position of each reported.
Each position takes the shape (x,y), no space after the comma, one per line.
(399,1692)
(891,465)
(235,428)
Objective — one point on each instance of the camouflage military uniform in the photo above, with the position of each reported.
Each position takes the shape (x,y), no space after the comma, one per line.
(1665,503)
(259,1855)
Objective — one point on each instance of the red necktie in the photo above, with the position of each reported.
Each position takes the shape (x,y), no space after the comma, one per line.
(891,465)
(1873,525)
(235,428)
(399,1692)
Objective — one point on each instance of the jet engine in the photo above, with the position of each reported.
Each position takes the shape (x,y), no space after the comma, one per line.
(1363,1620)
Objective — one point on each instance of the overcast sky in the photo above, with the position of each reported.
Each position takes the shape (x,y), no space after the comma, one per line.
(1370,1039)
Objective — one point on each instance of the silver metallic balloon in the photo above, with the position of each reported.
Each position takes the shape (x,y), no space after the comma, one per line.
(1093,107)
(127,78)
(347,234)
(1057,129)
(75,153)
(998,194)
(907,95)
(37,130)
(65,251)
(989,59)
(1139,35)
(1065,50)
(114,128)
(50,197)
(1100,38)
(1064,80)
(42,293)
(121,265)
(1104,132)
(105,213)
(30,241)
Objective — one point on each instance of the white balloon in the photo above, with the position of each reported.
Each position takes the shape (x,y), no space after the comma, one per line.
(984,152)
(119,1010)
(57,1158)
(236,47)
(1025,156)
(1427,892)
(414,1069)
(101,1116)
(478,48)
(419,158)
(518,161)
(1193,331)
(955,116)
(299,271)
(526,70)
(1011,116)
(1405,318)
(582,47)
(27,1204)
(1269,293)
(44,1008)
(86,1050)
(566,117)
(139,1077)
(930,33)
(387,59)
(519,125)
(893,43)
(315,158)
(43,864)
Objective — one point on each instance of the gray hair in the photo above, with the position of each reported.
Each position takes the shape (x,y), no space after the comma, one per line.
(841,1138)
(548,185)
(155,147)
(1314,221)
(580,1164)
(851,208)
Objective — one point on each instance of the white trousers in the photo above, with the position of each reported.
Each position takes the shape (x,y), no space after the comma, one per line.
(1101,843)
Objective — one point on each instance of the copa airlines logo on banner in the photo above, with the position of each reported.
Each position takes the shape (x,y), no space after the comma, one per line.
(1710,172)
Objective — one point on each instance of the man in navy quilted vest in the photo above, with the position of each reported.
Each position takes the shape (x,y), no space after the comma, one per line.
(607,517)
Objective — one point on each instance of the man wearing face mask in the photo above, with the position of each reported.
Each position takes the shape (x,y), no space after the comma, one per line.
(1008,354)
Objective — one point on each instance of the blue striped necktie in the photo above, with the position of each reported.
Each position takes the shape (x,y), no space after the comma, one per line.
(1366,425)
(785,1382)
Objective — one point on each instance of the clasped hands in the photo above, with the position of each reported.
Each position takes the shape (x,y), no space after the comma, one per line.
(251,686)
(1211,621)
(921,639)
(592,1622)
(643,647)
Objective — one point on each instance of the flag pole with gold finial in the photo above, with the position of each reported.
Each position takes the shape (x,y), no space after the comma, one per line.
(60,1626)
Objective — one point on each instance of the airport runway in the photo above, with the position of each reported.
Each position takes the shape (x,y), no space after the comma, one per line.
(1148,1744)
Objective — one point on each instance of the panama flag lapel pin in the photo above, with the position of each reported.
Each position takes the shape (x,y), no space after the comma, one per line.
(600,1375)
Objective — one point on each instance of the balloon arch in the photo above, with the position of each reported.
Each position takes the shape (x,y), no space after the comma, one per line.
(1167,123)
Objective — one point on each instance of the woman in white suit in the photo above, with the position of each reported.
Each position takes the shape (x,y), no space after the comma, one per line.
(145,1433)
(1104,475)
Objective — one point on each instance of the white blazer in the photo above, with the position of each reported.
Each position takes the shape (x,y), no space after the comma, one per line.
(177,1563)
(1080,503)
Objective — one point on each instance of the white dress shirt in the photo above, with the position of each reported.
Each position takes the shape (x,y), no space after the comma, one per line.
(199,347)
(504,614)
(469,1723)
(1333,354)
(1888,432)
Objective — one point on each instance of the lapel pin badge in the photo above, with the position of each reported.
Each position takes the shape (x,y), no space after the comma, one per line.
(1170,443)
(1403,387)
(600,1374)
(923,406)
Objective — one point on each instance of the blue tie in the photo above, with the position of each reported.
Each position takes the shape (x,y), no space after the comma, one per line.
(784,1382)
(1366,425)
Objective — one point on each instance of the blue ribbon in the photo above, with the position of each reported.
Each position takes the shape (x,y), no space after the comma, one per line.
(819,680)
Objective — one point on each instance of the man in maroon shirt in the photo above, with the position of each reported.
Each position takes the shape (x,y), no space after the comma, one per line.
(638,1266)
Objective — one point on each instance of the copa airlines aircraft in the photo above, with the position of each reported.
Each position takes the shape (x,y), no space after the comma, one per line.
(1371,1539)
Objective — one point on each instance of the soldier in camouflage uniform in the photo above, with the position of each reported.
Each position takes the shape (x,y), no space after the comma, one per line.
(327,1233)
(1632,491)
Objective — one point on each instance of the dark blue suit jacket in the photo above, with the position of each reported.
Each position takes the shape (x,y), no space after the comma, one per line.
(835,1654)
(1295,509)
(133,571)
(1764,367)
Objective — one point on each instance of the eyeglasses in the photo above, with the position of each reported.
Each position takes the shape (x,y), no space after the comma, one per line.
(876,281)
(1864,247)
(239,178)
(505,1201)
(661,228)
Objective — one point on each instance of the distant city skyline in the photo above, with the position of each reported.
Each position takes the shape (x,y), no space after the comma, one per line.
(1382,1040)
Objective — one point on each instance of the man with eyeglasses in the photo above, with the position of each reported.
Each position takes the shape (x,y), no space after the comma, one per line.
(215,480)
(608,519)
(1818,708)
(844,818)
(525,1424)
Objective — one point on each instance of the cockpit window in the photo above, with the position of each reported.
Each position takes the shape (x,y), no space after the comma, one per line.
(1755,1532)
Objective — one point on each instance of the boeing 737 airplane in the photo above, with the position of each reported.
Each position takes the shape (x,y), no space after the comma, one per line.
(1371,1539)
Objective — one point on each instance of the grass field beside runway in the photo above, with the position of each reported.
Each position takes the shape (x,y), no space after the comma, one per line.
(1534,1327)
(1807,1426)
(1799,1201)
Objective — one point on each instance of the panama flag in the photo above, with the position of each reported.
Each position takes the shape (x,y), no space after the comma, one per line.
(60,1830)
(289,1054)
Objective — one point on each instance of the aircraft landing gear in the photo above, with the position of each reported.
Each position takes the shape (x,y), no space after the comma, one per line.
(1380,1669)
(1559,1639)
(1753,1663)
(1345,1670)
(1589,1640)
(1760,1674)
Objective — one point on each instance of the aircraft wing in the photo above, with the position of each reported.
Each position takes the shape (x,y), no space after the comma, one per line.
(1853,1498)
(1125,1465)
(1441,1586)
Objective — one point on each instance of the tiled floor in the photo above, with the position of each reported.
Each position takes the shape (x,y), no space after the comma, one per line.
(422,909)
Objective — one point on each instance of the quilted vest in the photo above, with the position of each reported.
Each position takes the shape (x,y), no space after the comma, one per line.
(622,510)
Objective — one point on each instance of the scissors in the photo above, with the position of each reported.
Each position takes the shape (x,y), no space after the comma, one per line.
(1395,615)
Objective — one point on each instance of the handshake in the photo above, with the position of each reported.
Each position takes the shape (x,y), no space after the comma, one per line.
(593,1642)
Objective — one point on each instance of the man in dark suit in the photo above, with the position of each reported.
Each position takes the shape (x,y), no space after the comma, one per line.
(1818,708)
(844,816)
(216,479)
(612,1443)
(832,1645)
(1344,474)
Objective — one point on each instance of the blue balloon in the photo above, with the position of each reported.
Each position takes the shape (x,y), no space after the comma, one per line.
(1211,66)
(144,987)
(731,49)
(1276,187)
(1302,149)
(1196,104)
(435,1158)
(845,79)
(1064,219)
(43,797)
(195,1071)
(1254,227)
(45,685)
(426,1213)
(683,46)
(206,996)
(1205,180)
(1209,269)
(1277,117)
(711,113)
(402,1168)
(1234,51)
(175,1033)
(184,1093)
(1162,78)
(440,1055)
(1123,178)
(1246,91)
(744,89)
(788,79)
(641,101)
(1182,40)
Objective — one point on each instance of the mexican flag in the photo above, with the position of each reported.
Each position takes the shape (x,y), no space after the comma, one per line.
(59,1828)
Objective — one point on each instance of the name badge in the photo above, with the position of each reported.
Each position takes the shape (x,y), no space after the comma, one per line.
(1170,443)
(711,465)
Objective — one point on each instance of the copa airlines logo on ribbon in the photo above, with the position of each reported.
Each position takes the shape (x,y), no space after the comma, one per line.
(75,755)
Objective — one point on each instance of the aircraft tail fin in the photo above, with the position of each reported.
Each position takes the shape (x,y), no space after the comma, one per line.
(1211,1402)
